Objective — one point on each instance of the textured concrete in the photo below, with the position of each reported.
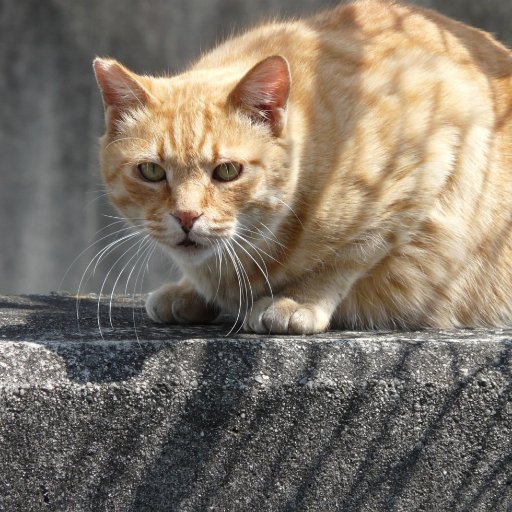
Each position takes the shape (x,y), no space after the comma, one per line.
(51,114)
(187,419)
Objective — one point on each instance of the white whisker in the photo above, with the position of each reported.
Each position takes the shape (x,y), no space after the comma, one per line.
(258,249)
(123,138)
(291,209)
(96,199)
(225,243)
(219,264)
(92,245)
(145,266)
(247,283)
(121,218)
(143,241)
(263,272)
(146,256)
(257,236)
(96,258)
(104,282)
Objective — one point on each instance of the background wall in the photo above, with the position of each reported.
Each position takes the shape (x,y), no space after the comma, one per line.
(51,114)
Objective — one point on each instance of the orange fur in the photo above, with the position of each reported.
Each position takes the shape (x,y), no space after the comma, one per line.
(376,184)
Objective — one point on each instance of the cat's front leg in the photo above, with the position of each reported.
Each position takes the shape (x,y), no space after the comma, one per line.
(305,308)
(179,303)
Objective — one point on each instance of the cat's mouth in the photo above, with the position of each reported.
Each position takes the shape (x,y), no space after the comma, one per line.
(189,243)
(190,252)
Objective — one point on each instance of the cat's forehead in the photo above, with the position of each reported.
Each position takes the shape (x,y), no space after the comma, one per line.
(192,91)
(191,124)
(180,126)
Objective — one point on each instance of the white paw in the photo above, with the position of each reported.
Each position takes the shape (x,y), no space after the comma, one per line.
(176,304)
(286,316)
(159,308)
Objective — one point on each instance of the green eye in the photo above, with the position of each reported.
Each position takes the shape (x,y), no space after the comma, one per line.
(228,171)
(151,171)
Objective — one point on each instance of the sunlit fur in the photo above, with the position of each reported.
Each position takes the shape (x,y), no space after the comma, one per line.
(383,199)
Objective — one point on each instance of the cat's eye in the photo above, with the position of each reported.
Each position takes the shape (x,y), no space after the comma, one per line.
(227,171)
(151,171)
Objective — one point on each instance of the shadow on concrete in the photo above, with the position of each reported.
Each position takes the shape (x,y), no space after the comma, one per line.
(93,349)
(380,446)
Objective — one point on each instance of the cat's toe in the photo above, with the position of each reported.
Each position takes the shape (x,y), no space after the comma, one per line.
(276,317)
(254,322)
(303,321)
(286,316)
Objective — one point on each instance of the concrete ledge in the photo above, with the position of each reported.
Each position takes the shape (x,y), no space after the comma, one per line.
(186,419)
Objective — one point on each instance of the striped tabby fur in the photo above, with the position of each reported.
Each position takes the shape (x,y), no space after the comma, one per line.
(376,188)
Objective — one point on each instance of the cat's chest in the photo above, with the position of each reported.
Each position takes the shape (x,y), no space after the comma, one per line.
(234,284)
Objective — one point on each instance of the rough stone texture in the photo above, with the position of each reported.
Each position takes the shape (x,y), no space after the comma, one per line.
(187,419)
(51,200)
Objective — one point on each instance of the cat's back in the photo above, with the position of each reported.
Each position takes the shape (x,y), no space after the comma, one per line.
(386,24)
(377,30)
(366,30)
(373,41)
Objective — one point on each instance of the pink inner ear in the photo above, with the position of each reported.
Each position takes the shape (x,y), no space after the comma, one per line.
(263,92)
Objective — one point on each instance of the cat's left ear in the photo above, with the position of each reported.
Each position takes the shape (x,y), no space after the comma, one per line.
(121,89)
(263,92)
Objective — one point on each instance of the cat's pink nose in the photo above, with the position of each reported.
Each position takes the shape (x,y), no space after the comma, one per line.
(186,219)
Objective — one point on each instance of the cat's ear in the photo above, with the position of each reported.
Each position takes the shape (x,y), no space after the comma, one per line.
(263,92)
(121,89)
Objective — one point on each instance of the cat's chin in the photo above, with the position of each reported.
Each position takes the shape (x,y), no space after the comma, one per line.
(191,253)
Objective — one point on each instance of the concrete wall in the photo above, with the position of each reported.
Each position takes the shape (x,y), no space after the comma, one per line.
(185,419)
(50,111)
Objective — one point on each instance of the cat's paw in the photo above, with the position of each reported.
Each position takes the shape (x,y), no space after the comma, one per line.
(178,304)
(286,316)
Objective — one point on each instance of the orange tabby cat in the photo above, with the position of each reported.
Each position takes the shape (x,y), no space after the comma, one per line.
(353,169)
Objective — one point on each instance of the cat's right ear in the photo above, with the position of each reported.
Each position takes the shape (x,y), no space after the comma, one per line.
(263,93)
(120,89)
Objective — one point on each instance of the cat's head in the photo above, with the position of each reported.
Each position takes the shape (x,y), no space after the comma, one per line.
(201,158)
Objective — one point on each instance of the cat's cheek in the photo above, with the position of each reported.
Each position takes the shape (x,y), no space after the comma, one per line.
(127,207)
(262,195)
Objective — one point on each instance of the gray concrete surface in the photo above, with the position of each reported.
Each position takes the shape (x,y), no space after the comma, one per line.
(51,201)
(187,419)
